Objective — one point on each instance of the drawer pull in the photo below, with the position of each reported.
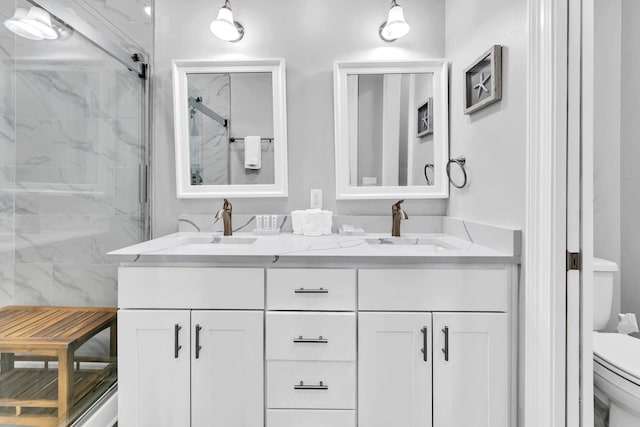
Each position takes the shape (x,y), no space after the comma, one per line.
(320,386)
(318,340)
(312,291)
(177,345)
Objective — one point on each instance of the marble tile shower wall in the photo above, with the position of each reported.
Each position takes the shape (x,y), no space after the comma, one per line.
(69,153)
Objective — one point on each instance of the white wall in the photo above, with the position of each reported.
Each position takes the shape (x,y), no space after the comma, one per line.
(630,157)
(606,179)
(310,35)
(493,139)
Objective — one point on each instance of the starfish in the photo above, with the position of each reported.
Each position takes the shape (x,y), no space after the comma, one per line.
(425,119)
(481,86)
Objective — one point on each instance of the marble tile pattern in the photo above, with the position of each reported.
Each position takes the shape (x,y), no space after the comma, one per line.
(70,149)
(208,139)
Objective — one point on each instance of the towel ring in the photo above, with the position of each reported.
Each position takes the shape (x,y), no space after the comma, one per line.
(426,176)
(460,161)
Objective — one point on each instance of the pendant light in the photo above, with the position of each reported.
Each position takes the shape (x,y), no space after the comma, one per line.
(395,26)
(36,23)
(224,27)
(17,25)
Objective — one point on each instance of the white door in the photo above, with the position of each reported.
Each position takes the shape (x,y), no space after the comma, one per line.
(153,370)
(394,379)
(470,370)
(227,372)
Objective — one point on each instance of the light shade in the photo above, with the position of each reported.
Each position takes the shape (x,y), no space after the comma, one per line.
(17,26)
(224,27)
(395,26)
(41,20)
(32,24)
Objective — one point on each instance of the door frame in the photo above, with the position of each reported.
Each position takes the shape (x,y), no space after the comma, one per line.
(543,295)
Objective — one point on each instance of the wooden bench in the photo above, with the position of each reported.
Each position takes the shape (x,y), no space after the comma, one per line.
(43,396)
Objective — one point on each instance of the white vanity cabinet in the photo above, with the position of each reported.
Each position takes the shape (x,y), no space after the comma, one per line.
(191,359)
(206,346)
(434,346)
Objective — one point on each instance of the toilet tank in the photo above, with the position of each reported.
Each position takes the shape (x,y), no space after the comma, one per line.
(603,271)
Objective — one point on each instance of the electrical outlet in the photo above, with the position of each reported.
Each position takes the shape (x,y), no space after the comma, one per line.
(316,199)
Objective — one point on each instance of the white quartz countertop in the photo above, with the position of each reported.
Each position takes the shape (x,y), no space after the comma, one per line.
(193,247)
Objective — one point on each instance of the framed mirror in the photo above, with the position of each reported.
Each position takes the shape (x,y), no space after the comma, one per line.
(392,129)
(230,128)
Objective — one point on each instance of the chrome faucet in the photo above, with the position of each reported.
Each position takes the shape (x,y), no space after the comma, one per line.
(397,214)
(225,214)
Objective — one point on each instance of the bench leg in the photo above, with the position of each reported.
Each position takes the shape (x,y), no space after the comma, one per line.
(6,362)
(65,385)
(113,344)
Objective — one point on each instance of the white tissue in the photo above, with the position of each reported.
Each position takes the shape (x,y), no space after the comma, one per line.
(327,222)
(312,222)
(296,221)
(628,323)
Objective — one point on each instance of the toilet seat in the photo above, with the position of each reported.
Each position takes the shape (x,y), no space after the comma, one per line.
(618,353)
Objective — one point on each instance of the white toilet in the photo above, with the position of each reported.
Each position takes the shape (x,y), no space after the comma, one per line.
(616,357)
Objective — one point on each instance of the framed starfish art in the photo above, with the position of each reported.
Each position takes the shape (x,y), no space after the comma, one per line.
(483,80)
(425,118)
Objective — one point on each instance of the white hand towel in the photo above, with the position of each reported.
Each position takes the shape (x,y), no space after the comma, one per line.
(252,152)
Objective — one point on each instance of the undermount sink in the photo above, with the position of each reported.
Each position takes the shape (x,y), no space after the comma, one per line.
(424,242)
(219,240)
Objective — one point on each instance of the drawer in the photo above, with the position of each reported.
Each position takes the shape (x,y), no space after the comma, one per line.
(191,288)
(338,390)
(301,418)
(460,289)
(311,289)
(311,336)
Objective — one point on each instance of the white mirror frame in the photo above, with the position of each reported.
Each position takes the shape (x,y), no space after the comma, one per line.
(183,170)
(341,71)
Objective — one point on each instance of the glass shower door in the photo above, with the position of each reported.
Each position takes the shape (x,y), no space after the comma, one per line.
(72,148)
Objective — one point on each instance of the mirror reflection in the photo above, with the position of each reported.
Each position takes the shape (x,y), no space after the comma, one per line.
(230,126)
(391,129)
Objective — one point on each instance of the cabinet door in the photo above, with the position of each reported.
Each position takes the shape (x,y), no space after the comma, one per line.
(153,384)
(471,388)
(227,385)
(394,380)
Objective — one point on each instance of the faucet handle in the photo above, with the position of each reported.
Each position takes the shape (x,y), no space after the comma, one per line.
(396,209)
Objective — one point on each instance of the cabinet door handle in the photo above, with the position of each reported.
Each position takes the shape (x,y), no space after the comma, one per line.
(424,343)
(302,386)
(198,346)
(318,340)
(445,350)
(311,291)
(177,346)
